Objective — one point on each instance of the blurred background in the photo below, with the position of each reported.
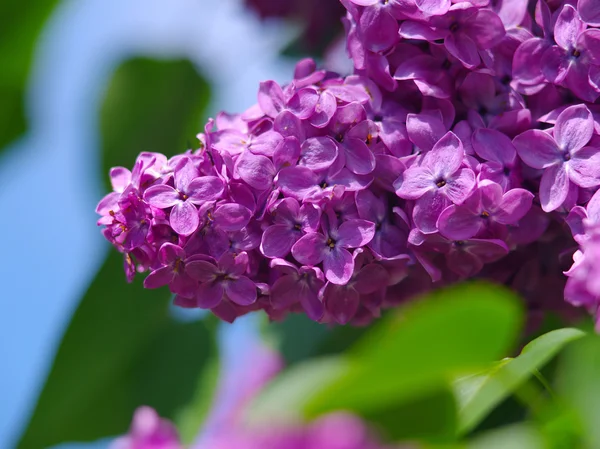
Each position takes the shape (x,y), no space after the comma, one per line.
(86,85)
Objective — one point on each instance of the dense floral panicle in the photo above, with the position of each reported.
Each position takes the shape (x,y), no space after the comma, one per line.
(466,134)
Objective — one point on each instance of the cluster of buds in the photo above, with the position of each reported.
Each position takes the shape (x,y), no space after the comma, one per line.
(466,134)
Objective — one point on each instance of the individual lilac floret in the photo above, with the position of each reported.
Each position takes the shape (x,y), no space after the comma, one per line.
(500,155)
(465,29)
(574,61)
(298,285)
(189,189)
(436,181)
(566,160)
(291,222)
(331,247)
(172,272)
(222,279)
(487,210)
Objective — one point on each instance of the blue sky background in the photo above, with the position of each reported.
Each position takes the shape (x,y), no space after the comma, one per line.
(49,180)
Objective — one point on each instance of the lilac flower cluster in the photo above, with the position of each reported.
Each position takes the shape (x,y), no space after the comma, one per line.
(467,134)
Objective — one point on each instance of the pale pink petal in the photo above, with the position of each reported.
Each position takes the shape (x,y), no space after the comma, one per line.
(184,218)
(554,187)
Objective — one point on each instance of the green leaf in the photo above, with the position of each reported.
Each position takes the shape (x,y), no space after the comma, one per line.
(478,394)
(20,27)
(121,350)
(517,436)
(415,351)
(151,105)
(578,386)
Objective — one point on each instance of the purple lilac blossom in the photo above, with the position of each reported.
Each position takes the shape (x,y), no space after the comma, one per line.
(466,135)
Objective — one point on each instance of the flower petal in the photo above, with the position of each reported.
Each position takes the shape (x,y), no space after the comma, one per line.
(184,218)
(318,153)
(205,188)
(341,303)
(359,158)
(458,188)
(515,204)
(493,145)
(231,217)
(554,187)
(209,295)
(270,98)
(414,183)
(338,265)
(584,167)
(201,270)
(310,249)
(159,278)
(355,233)
(241,291)
(537,149)
(257,171)
(574,128)
(459,223)
(277,241)
(162,196)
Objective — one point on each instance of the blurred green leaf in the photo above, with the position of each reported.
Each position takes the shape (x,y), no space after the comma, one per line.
(20,27)
(478,394)
(121,350)
(578,386)
(299,338)
(416,350)
(151,105)
(427,418)
(517,436)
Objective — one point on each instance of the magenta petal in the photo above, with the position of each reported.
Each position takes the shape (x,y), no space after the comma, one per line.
(169,253)
(257,171)
(185,172)
(324,110)
(284,292)
(359,158)
(205,188)
(515,204)
(379,29)
(486,29)
(338,266)
(209,295)
(355,233)
(568,27)
(590,11)
(584,167)
(554,187)
(184,218)
(226,311)
(574,128)
(303,103)
(297,182)
(555,64)
(277,241)
(201,270)
(371,278)
(463,48)
(433,7)
(446,156)
(458,223)
(493,145)
(414,183)
(159,278)
(162,196)
(120,178)
(270,98)
(231,217)
(318,153)
(286,153)
(537,149)
(424,130)
(427,210)
(341,303)
(459,187)
(310,249)
(241,291)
